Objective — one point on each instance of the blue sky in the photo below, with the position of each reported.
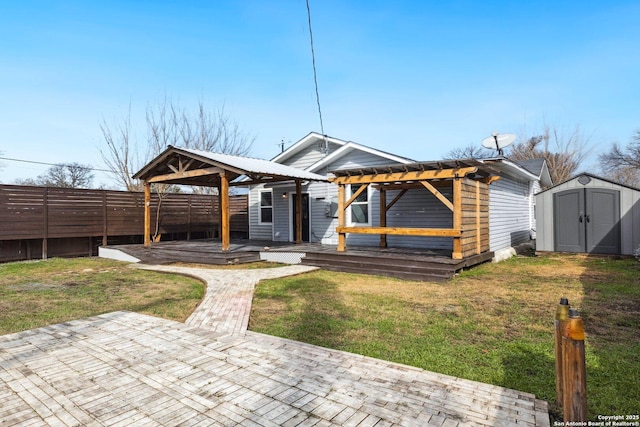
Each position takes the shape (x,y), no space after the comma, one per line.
(416,78)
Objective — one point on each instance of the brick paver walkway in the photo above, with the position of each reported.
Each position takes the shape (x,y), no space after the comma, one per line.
(226,305)
(129,369)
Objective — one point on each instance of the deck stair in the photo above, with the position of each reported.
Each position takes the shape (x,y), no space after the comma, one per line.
(391,265)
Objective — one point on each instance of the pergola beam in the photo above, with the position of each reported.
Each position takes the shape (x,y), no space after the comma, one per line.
(185,175)
(438,194)
(433,232)
(405,176)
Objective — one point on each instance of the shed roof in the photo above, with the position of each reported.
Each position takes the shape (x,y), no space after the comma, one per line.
(591,176)
(187,159)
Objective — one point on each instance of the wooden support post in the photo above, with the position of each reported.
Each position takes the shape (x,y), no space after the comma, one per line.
(562,311)
(298,209)
(457,217)
(189,217)
(574,370)
(342,240)
(147,214)
(383,216)
(224,211)
(478,220)
(105,218)
(45,235)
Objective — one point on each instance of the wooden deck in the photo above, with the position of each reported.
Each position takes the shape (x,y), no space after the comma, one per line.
(410,264)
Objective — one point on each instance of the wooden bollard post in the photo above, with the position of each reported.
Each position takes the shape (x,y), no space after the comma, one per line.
(562,311)
(574,370)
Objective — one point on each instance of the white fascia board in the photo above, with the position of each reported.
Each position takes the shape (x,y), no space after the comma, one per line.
(311,138)
(511,168)
(349,146)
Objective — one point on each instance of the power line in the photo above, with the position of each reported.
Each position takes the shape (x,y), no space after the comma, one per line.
(52,164)
(315,74)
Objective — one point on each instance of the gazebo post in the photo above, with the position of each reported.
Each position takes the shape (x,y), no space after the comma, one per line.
(147,214)
(298,208)
(224,210)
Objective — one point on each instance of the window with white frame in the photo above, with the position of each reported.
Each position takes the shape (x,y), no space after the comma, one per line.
(266,207)
(360,206)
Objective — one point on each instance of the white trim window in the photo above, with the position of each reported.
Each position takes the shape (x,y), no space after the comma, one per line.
(265,214)
(359,212)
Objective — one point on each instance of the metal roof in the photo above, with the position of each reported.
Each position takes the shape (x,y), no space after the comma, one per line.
(257,166)
(254,169)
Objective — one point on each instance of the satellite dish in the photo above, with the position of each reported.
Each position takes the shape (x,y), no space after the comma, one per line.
(498,141)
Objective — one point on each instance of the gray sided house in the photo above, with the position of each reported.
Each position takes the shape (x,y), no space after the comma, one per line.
(271,206)
(589,214)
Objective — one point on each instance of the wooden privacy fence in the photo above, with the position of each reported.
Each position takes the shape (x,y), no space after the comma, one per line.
(48,214)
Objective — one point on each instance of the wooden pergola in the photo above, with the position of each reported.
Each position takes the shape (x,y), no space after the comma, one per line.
(202,168)
(469,181)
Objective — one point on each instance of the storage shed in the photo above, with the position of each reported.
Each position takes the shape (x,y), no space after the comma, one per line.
(588,214)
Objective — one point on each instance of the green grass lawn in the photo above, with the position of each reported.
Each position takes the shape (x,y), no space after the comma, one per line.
(40,293)
(492,324)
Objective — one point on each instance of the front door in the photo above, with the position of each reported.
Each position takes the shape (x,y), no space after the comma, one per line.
(587,220)
(305,217)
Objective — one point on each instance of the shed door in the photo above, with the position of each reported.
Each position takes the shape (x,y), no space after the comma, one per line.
(587,220)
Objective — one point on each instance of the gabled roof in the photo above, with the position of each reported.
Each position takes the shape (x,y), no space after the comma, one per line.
(176,160)
(345,147)
(535,169)
(590,175)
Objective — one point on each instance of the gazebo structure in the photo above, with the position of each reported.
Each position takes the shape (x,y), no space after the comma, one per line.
(203,168)
(468,181)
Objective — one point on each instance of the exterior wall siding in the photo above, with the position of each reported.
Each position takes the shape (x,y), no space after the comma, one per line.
(509,213)
(629,214)
(257,231)
(308,157)
(420,209)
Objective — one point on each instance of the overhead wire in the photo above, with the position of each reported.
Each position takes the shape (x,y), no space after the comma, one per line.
(315,73)
(53,164)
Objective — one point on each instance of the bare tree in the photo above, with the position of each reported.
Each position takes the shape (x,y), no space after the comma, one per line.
(471,151)
(121,155)
(68,175)
(167,123)
(563,151)
(623,164)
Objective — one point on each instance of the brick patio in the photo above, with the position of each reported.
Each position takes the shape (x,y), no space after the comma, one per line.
(129,369)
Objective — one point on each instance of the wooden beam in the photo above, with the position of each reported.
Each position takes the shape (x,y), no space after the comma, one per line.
(356,194)
(45,223)
(182,175)
(298,209)
(342,238)
(224,212)
(404,176)
(395,199)
(457,218)
(383,216)
(438,194)
(478,220)
(441,183)
(490,179)
(433,232)
(147,214)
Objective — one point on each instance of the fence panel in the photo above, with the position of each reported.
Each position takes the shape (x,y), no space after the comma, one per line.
(41,213)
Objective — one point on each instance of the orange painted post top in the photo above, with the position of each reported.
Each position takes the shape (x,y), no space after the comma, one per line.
(574,369)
